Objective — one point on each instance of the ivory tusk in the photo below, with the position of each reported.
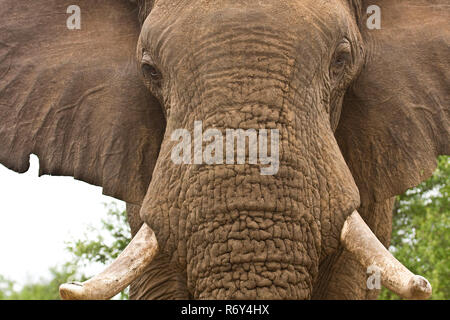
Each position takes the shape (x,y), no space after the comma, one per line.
(129,265)
(358,239)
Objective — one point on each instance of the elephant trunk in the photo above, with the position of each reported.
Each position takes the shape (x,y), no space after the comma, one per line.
(247,252)
(246,235)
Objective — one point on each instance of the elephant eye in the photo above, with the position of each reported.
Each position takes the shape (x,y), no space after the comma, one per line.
(150,72)
(340,61)
(342,58)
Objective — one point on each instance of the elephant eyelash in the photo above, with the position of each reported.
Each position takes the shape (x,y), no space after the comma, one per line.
(150,72)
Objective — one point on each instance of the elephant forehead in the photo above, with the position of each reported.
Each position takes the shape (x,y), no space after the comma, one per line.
(274,7)
(186,24)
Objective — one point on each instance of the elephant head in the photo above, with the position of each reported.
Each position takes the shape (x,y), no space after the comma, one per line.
(361,116)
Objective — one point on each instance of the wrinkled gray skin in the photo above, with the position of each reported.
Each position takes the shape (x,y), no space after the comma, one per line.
(239,234)
(356,128)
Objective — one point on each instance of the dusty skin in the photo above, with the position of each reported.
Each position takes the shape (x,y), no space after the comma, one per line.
(361,114)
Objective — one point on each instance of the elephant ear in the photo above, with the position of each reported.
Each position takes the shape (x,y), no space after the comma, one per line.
(74,97)
(395,118)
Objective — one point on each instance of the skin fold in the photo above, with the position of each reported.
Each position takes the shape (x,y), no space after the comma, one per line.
(362,115)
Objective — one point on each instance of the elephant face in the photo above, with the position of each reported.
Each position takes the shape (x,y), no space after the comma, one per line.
(350,116)
(248,66)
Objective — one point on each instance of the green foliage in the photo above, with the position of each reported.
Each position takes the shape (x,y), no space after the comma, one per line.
(6,288)
(107,243)
(421,231)
(44,289)
(100,245)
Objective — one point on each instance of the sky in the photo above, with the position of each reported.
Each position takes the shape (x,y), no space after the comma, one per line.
(37,216)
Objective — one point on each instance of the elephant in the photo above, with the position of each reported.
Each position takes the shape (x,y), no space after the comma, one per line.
(362,114)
